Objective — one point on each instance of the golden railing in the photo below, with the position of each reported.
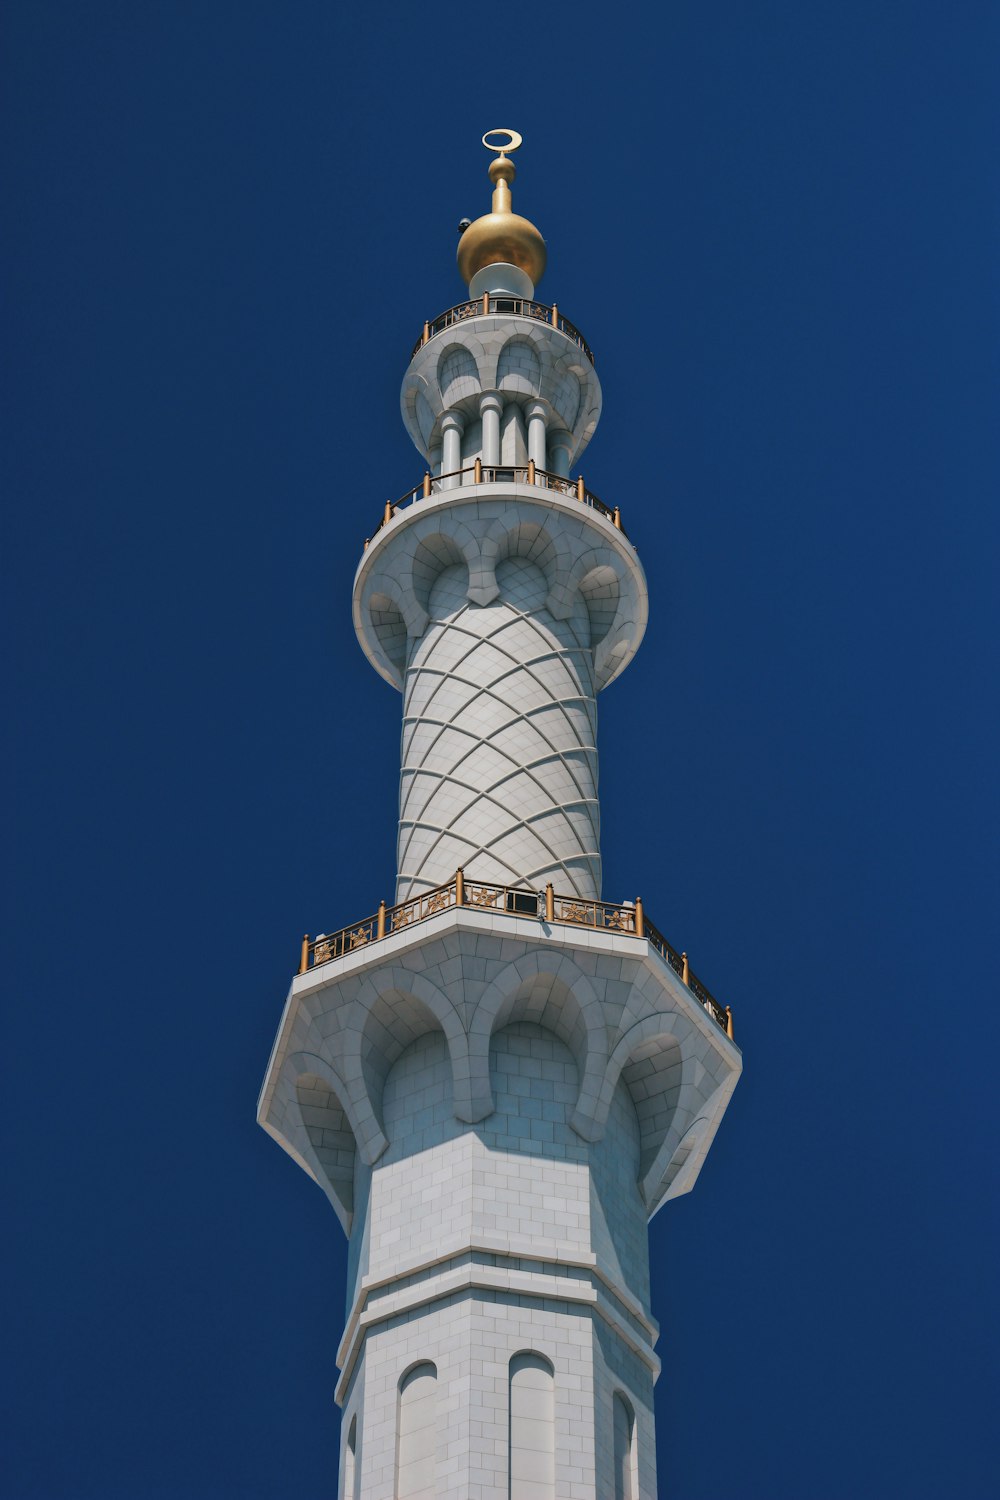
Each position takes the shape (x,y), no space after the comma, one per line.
(624,917)
(517,307)
(480,473)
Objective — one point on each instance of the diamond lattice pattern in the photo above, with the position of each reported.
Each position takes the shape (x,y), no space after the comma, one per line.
(499,746)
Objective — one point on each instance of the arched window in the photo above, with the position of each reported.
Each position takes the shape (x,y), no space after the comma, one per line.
(626,1458)
(351,1462)
(532,1436)
(416,1434)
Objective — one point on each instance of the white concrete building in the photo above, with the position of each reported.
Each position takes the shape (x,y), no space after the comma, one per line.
(498,1080)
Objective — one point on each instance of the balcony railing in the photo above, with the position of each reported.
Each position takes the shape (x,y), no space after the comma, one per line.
(517,307)
(512,901)
(480,473)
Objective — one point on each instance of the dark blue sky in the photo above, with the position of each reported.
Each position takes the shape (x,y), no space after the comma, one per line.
(775,224)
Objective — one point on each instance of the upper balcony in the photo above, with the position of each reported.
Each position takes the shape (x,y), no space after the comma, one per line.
(504,379)
(493,305)
(478,473)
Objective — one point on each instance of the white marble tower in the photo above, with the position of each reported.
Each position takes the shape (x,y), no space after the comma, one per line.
(500,1078)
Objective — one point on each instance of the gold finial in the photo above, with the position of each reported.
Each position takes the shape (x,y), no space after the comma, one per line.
(501,236)
(502,169)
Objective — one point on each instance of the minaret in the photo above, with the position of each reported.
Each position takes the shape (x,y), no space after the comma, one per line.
(499,1079)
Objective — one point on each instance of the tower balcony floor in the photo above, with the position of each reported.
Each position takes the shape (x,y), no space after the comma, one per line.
(481,516)
(624,918)
(478,473)
(608,988)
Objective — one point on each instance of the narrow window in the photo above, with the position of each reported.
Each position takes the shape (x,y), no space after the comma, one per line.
(532,1437)
(351,1462)
(626,1462)
(416,1441)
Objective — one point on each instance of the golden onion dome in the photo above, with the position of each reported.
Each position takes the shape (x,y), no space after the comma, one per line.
(502,237)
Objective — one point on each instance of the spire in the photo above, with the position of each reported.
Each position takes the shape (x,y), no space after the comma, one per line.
(501,252)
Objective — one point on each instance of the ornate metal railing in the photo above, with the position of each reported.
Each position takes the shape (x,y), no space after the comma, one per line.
(517,307)
(626,917)
(480,473)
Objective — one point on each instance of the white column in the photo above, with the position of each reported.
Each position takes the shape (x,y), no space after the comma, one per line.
(452,427)
(434,459)
(490,407)
(560,447)
(536,433)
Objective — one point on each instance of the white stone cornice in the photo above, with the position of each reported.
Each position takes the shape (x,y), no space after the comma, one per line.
(587,1291)
(467,972)
(583,554)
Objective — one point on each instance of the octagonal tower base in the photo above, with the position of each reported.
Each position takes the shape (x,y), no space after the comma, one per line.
(495,1105)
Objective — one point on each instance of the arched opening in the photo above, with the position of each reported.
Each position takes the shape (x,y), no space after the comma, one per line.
(533,1101)
(618,1213)
(433,555)
(394,1021)
(566,400)
(351,1474)
(418,1106)
(518,369)
(330,1135)
(390,628)
(601,593)
(653,1076)
(626,1458)
(548,1001)
(458,376)
(532,1428)
(416,1434)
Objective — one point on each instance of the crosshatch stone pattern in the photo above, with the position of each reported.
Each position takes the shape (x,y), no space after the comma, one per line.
(499,744)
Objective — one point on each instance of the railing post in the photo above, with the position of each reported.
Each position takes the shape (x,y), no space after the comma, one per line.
(427,485)
(427,333)
(640,919)
(387,514)
(531,471)
(380,930)
(617,518)
(729,1022)
(477,476)
(581,493)
(486,303)
(555,315)
(365,547)
(685,970)
(304,960)
(550,903)
(459,887)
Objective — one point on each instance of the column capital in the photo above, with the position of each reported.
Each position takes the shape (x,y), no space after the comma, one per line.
(537,408)
(452,421)
(490,401)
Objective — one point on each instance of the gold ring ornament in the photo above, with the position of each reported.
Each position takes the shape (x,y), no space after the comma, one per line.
(513,141)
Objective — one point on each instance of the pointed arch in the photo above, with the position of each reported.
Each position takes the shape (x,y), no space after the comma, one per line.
(416,1433)
(393,1009)
(320,1127)
(531,1438)
(549,988)
(625,1453)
